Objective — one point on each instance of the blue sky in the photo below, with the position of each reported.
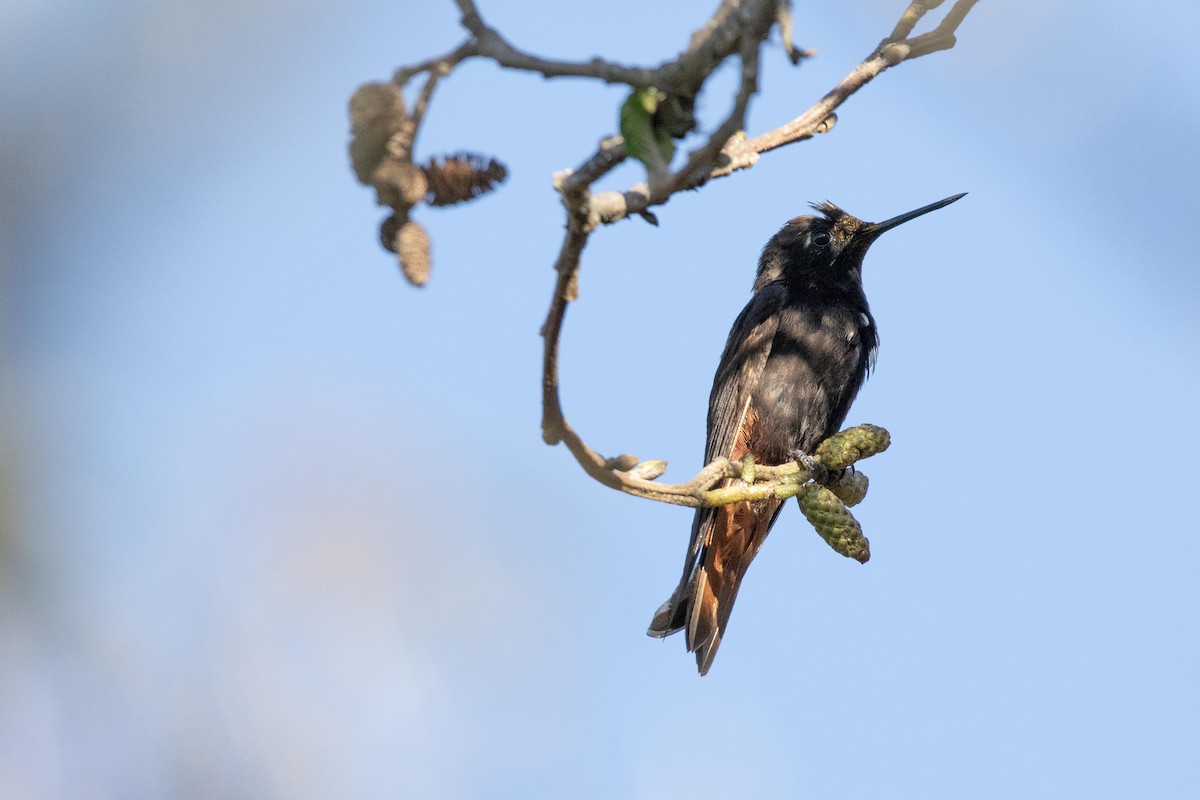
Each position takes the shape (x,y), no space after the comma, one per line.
(279,525)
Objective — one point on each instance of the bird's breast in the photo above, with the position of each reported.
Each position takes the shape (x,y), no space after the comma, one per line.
(818,361)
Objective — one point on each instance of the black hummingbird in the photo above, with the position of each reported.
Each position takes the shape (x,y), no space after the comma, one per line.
(793,363)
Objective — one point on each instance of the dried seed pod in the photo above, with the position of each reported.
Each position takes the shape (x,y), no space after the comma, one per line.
(843,449)
(399,184)
(412,246)
(377,113)
(834,522)
(389,229)
(851,488)
(461,177)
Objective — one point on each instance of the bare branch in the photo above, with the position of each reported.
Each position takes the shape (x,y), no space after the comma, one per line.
(783,15)
(725,152)
(891,51)
(610,154)
(442,64)
(700,162)
(554,425)
(807,124)
(942,37)
(419,107)
(709,46)
(911,16)
(736,27)
(738,152)
(956,15)
(488,42)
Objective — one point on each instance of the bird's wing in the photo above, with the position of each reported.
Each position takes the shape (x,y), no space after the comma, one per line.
(741,366)
(726,539)
(738,530)
(711,574)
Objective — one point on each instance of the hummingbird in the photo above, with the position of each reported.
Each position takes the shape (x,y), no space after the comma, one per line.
(792,365)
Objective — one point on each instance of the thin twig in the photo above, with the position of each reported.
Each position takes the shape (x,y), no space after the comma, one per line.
(444,63)
(783,15)
(678,76)
(554,424)
(942,37)
(700,161)
(805,126)
(419,107)
(911,16)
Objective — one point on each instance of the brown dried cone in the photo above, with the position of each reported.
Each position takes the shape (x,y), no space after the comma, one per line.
(399,184)
(377,113)
(843,449)
(834,522)
(388,230)
(461,177)
(408,240)
(850,488)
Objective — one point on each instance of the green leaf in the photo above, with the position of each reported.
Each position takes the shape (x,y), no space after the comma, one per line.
(644,140)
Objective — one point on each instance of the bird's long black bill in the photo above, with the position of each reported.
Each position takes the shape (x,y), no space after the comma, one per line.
(877,228)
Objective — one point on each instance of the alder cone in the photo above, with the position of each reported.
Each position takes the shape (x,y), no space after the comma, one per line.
(399,184)
(834,522)
(461,177)
(377,112)
(412,246)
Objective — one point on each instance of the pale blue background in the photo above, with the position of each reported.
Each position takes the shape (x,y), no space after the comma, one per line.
(279,525)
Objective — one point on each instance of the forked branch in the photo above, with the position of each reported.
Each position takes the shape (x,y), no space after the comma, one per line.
(736,29)
(586,210)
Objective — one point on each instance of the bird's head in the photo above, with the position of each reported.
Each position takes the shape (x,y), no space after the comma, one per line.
(826,251)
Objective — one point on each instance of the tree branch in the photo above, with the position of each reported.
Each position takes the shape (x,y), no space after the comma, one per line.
(724,153)
(708,47)
(441,64)
(699,166)
(737,27)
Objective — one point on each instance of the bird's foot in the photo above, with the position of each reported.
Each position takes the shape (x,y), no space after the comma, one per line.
(813,466)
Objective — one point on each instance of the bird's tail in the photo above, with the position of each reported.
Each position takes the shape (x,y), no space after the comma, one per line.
(702,602)
(672,615)
(704,619)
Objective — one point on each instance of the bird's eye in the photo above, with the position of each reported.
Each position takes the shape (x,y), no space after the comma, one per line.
(820,238)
